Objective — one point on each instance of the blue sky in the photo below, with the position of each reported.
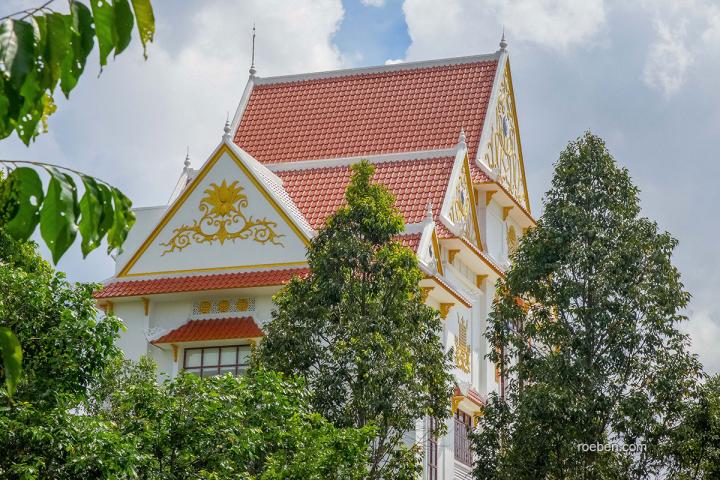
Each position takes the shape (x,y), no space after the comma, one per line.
(370,35)
(641,74)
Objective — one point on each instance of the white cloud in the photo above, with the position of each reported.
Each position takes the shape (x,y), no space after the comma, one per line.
(558,24)
(441,27)
(668,60)
(373,3)
(393,61)
(704,331)
(711,35)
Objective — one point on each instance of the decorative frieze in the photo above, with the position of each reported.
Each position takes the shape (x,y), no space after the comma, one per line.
(223,306)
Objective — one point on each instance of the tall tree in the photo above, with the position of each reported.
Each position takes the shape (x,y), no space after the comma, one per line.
(586,325)
(357,330)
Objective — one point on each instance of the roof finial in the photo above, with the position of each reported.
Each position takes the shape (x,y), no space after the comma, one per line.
(187,160)
(226,129)
(429,213)
(503,43)
(461,140)
(252,58)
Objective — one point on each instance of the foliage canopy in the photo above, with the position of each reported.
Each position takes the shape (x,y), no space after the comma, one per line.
(358,332)
(586,325)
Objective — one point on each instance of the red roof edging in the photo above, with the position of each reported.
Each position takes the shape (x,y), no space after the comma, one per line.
(264,278)
(212,329)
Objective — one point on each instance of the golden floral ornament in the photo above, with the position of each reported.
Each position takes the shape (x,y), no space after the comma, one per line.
(462,349)
(512,240)
(223,219)
(461,211)
(503,156)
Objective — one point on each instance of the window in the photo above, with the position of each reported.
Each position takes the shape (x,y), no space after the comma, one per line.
(209,361)
(463,425)
(432,451)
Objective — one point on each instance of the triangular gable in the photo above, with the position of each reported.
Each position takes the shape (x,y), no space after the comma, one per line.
(233,215)
(500,149)
(429,249)
(459,204)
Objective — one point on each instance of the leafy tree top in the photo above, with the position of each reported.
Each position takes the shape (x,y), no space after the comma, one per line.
(586,322)
(65,344)
(358,331)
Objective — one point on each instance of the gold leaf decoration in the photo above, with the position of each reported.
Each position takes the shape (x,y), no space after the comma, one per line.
(460,210)
(242,305)
(205,307)
(512,240)
(502,155)
(462,349)
(223,219)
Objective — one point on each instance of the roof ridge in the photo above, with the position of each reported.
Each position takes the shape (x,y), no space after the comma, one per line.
(396,67)
(316,164)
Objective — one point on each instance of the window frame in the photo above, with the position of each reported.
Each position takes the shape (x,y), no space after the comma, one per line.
(238,368)
(433,451)
(463,423)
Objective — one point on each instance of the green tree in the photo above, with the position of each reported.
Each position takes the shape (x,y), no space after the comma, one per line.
(698,439)
(66,349)
(258,426)
(357,331)
(41,49)
(65,345)
(586,322)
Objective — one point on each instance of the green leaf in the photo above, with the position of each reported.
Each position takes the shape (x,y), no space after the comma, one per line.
(123,24)
(12,359)
(104,18)
(123,220)
(32,108)
(145,21)
(58,214)
(58,45)
(108,214)
(17,49)
(82,40)
(5,128)
(28,191)
(92,208)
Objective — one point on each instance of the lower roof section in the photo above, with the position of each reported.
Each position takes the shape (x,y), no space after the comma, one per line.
(198,283)
(212,329)
(318,192)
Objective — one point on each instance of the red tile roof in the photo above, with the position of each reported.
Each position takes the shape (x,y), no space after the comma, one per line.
(476,174)
(318,192)
(197,283)
(214,329)
(420,108)
(411,241)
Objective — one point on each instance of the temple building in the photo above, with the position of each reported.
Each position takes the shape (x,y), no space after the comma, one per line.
(194,284)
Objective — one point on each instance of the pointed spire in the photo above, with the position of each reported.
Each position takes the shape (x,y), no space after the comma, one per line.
(429,213)
(462,140)
(503,43)
(252,58)
(187,161)
(226,129)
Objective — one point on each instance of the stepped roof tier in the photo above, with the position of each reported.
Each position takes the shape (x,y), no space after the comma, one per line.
(442,134)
